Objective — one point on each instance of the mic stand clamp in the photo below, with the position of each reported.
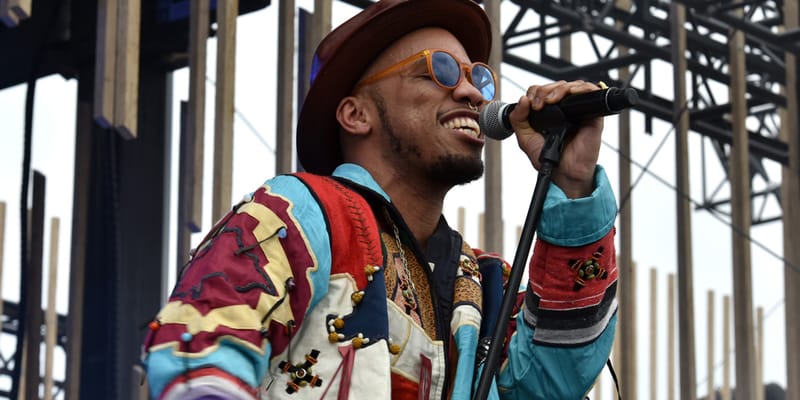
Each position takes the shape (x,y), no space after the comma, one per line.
(554,129)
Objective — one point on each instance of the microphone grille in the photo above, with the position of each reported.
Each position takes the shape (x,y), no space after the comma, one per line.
(491,121)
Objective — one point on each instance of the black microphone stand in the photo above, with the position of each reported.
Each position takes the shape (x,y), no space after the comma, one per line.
(554,126)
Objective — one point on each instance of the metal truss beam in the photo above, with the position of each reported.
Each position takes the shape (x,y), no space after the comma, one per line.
(9,327)
(645,32)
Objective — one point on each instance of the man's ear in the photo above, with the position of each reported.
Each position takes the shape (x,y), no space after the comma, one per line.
(353,115)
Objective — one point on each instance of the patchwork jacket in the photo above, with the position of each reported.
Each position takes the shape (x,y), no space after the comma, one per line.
(313,288)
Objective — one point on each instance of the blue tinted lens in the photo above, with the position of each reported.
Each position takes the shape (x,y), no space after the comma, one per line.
(483,80)
(445,69)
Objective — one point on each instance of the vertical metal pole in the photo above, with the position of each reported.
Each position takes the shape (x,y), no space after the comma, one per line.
(790,201)
(741,218)
(283,142)
(493,183)
(185,181)
(84,129)
(684,232)
(32,299)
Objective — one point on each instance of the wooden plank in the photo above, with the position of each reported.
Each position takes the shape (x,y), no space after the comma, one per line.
(462,220)
(710,347)
(670,337)
(126,92)
(760,353)
(105,63)
(481,231)
(653,332)
(2,246)
(285,100)
(598,388)
(492,152)
(21,8)
(627,287)
(51,320)
(227,11)
(686,353)
(9,18)
(14,11)
(790,201)
(196,114)
(741,217)
(725,391)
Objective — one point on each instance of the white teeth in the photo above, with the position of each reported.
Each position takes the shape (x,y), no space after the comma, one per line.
(466,125)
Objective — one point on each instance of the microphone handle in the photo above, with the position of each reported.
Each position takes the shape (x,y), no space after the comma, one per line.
(583,106)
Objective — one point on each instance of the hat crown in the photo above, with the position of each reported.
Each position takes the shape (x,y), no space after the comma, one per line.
(346,52)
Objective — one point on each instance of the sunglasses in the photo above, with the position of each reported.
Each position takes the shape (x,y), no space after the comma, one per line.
(446,71)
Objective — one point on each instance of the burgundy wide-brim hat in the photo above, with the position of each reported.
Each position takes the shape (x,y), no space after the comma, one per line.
(344,55)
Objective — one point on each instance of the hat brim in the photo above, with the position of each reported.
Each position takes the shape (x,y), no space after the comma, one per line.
(317,128)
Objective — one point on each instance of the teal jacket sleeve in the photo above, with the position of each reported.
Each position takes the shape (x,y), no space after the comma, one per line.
(265,263)
(566,323)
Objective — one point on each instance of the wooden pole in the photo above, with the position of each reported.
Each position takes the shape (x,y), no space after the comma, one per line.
(139,391)
(195,120)
(739,176)
(493,178)
(627,285)
(684,208)
(710,347)
(653,332)
(670,337)
(227,11)
(598,388)
(126,91)
(790,201)
(14,11)
(2,246)
(322,21)
(482,231)
(726,348)
(462,219)
(285,101)
(760,353)
(51,320)
(105,63)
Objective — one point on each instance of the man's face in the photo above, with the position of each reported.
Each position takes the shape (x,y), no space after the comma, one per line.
(427,132)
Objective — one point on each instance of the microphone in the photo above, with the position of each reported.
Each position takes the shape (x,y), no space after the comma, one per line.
(579,107)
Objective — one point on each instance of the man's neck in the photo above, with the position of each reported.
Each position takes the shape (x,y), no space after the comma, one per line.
(420,206)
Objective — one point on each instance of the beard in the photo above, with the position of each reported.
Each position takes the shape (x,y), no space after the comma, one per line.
(447,170)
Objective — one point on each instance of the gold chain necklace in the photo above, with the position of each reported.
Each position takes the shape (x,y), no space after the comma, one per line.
(407,288)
